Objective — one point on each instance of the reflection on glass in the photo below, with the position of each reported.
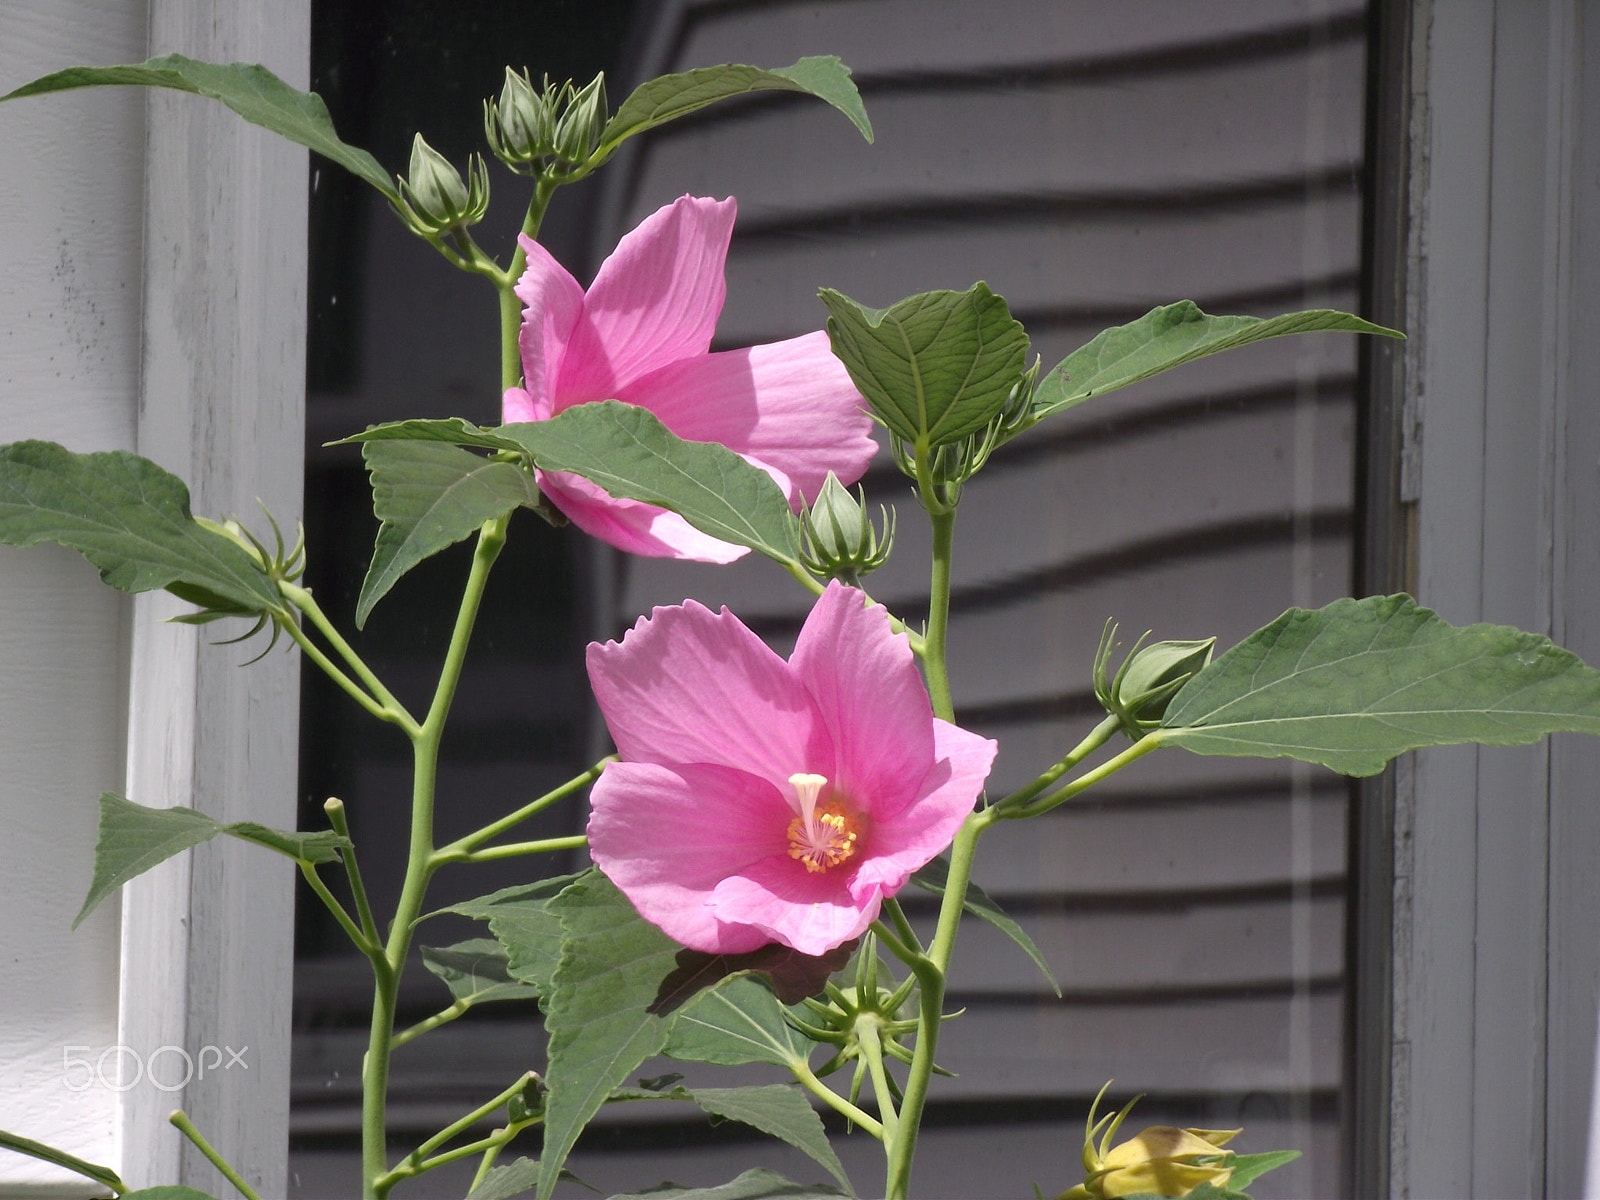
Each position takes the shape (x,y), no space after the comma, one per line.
(1088,162)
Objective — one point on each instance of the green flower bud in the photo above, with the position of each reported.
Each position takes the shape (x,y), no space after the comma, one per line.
(951,464)
(435,199)
(1148,679)
(838,541)
(520,126)
(583,120)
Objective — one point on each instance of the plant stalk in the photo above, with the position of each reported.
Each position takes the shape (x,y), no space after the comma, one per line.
(931,972)
(420,865)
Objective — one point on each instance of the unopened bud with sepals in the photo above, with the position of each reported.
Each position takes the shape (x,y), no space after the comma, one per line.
(582,121)
(1148,679)
(520,125)
(435,199)
(838,540)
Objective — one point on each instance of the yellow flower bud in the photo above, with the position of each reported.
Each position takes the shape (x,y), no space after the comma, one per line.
(1160,1160)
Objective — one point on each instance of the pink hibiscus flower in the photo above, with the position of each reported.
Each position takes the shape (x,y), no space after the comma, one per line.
(641,335)
(763,801)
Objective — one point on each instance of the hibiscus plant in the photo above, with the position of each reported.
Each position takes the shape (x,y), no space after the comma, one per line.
(760,816)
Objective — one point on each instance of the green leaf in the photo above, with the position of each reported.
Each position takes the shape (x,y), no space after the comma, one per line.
(527,929)
(104,1176)
(752,1185)
(319,847)
(738,1021)
(1247,1168)
(935,367)
(776,1109)
(133,838)
(430,495)
(171,1191)
(671,96)
(251,90)
(513,1179)
(130,519)
(476,972)
(1168,337)
(933,877)
(452,430)
(628,452)
(598,1016)
(1356,683)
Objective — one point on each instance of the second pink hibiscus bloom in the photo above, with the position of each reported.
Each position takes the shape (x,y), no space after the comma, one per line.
(641,334)
(759,800)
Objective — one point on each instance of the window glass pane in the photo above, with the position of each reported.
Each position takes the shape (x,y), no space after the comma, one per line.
(1089,161)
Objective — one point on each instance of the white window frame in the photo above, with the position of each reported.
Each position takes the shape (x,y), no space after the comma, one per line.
(1495,951)
(206,939)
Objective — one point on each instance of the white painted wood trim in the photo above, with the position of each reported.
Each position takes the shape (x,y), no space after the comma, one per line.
(208,938)
(1495,959)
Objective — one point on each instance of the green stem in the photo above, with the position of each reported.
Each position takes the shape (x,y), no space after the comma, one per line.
(510,303)
(931,972)
(494,1141)
(1087,780)
(489,832)
(1098,736)
(186,1127)
(420,865)
(933,659)
(350,686)
(443,1017)
(393,710)
(575,841)
(334,807)
(363,943)
(872,1051)
(484,1167)
(902,926)
(413,1161)
(802,1072)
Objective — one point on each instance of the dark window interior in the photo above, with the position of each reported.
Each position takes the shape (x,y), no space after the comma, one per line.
(1089,161)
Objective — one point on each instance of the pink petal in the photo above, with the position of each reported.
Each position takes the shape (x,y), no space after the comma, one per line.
(811,911)
(872,700)
(690,686)
(667,836)
(925,827)
(552,305)
(789,404)
(654,301)
(631,525)
(517,405)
